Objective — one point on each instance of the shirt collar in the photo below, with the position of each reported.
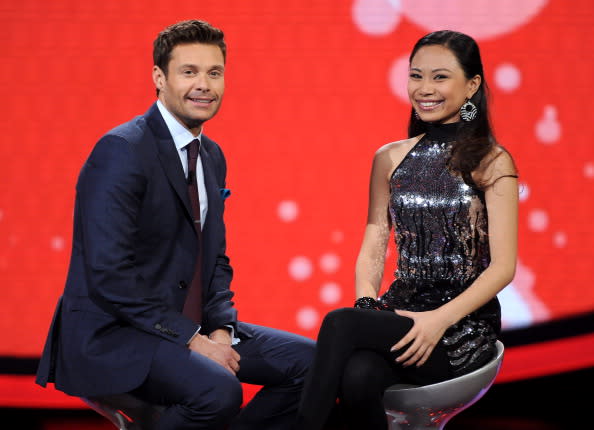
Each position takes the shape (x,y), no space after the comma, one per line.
(180,134)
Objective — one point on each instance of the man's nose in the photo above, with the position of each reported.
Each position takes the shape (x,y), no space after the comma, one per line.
(201,82)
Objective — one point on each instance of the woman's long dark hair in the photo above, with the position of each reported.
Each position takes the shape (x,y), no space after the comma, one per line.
(474,139)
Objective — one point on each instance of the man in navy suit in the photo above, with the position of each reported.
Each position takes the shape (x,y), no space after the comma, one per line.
(120,324)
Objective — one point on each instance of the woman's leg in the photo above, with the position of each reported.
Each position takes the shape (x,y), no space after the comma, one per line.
(366,376)
(344,331)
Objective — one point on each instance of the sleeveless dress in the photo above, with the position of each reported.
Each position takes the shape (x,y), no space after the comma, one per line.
(441,233)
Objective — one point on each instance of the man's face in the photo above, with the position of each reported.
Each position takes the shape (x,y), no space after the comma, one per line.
(194,85)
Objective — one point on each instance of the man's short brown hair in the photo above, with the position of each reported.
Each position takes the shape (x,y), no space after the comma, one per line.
(184,32)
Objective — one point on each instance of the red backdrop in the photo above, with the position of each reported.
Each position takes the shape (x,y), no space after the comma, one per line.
(313,89)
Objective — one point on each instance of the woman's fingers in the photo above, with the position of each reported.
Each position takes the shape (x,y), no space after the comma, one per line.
(418,353)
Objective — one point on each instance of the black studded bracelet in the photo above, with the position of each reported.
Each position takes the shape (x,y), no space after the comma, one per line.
(369,303)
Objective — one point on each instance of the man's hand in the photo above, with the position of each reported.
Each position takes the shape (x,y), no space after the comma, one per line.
(221,353)
(221,335)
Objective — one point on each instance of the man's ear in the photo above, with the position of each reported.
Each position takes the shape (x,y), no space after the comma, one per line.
(159,78)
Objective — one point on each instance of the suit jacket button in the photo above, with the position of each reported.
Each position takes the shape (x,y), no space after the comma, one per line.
(182,284)
(158,326)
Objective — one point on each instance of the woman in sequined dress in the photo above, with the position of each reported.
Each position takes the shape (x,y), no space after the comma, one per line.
(450,193)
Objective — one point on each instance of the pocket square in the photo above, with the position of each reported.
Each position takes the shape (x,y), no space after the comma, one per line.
(225,192)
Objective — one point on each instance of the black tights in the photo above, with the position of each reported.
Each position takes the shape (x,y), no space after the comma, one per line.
(353,363)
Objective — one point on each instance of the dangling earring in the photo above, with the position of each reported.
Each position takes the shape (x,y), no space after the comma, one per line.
(468,111)
(416,114)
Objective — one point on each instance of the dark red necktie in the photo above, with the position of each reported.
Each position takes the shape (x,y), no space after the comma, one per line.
(193,303)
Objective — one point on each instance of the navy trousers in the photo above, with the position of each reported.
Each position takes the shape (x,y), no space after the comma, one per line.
(201,394)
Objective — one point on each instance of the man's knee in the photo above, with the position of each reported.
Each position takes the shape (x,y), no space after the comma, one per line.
(221,403)
(229,396)
(303,357)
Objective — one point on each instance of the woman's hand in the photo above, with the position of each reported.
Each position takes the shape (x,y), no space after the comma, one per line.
(427,330)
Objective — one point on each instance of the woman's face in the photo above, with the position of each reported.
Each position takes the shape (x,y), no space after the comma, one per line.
(437,86)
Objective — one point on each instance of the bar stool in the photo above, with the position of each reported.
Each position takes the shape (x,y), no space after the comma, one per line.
(126,411)
(415,407)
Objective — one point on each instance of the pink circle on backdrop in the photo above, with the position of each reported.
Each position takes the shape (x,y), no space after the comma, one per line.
(288,210)
(330,293)
(481,19)
(508,77)
(524,191)
(376,17)
(300,268)
(329,262)
(588,171)
(560,239)
(307,318)
(57,243)
(548,128)
(398,78)
(538,220)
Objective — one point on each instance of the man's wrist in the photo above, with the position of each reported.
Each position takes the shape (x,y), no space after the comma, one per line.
(221,335)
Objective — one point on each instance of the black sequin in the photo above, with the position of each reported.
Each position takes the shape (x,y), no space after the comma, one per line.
(441,233)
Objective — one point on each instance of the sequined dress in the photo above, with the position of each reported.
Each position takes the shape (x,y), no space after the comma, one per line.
(441,232)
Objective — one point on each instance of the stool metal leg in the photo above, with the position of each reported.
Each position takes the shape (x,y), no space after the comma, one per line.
(112,414)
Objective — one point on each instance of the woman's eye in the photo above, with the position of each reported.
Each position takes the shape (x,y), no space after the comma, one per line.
(414,76)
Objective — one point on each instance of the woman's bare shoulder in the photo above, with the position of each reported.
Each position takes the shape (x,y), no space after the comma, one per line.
(498,163)
(396,148)
(390,155)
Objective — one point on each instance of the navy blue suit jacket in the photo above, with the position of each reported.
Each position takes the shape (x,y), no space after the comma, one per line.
(133,255)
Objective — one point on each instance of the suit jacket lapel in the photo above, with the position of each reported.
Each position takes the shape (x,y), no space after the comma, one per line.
(169,157)
(210,182)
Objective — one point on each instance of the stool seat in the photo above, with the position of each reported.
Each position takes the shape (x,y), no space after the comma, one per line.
(432,406)
(126,411)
